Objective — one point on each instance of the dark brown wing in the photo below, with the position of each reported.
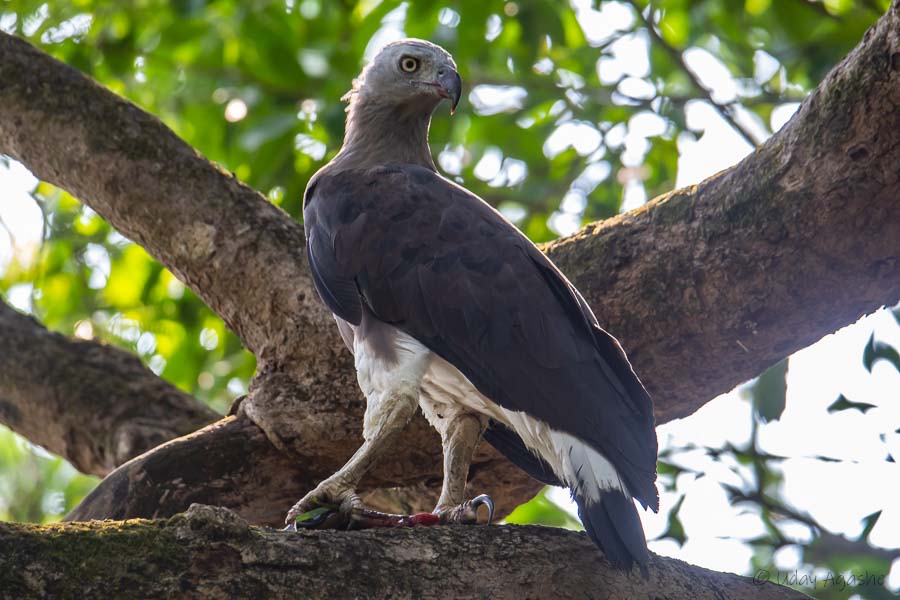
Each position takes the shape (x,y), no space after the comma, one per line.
(440,264)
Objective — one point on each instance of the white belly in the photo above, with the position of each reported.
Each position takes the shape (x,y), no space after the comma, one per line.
(446,392)
(387,357)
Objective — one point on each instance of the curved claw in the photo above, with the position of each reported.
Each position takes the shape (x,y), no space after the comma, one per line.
(290,527)
(484,500)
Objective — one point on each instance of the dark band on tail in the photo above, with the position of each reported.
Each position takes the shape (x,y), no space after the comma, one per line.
(613,525)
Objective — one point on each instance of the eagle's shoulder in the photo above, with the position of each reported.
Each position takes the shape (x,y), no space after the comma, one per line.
(394,196)
(385,179)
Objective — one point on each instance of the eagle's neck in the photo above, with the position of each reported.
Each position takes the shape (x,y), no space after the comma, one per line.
(382,134)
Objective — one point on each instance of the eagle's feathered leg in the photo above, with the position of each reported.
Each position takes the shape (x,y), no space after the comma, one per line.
(391,367)
(385,419)
(342,509)
(460,437)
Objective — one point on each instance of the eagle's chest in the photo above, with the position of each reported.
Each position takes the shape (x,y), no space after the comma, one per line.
(387,359)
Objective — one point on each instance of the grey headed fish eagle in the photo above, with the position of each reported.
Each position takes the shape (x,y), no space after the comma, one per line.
(448,307)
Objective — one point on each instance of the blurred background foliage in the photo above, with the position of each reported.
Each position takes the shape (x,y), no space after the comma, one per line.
(575,112)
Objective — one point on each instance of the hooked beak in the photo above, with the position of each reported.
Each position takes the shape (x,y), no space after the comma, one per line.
(450,86)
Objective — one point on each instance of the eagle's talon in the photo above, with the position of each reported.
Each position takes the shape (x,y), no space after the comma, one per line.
(467,512)
(333,496)
(483,500)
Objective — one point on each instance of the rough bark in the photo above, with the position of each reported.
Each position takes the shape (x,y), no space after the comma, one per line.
(706,286)
(231,463)
(212,553)
(95,405)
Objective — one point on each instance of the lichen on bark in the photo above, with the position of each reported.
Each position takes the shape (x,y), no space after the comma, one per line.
(211,552)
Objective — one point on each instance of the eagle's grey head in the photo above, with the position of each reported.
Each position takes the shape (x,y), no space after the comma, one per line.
(412,75)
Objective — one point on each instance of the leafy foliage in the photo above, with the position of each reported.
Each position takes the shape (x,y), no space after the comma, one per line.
(571,108)
(35,486)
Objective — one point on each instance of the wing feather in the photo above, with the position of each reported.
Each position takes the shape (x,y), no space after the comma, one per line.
(339,293)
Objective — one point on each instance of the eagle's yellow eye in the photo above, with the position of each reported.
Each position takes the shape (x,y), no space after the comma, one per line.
(409,64)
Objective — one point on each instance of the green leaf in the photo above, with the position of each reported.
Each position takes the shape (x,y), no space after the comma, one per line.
(312,514)
(756,7)
(675,27)
(674,528)
(540,510)
(876,351)
(843,404)
(769,392)
(870,523)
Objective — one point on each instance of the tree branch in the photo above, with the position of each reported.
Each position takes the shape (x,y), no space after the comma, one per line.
(232,463)
(242,255)
(212,553)
(93,404)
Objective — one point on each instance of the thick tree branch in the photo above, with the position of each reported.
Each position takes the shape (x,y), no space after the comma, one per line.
(242,255)
(211,553)
(229,463)
(233,464)
(706,286)
(95,405)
